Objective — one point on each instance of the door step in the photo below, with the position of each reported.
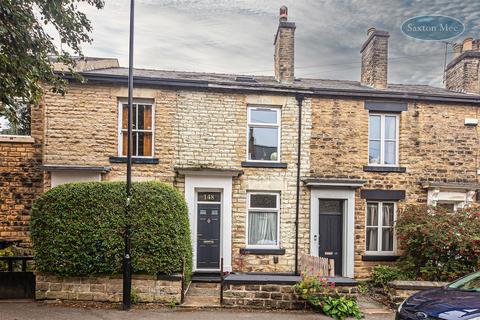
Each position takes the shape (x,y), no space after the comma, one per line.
(213,277)
(202,294)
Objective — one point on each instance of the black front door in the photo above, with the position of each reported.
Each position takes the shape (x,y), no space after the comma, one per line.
(208,236)
(330,232)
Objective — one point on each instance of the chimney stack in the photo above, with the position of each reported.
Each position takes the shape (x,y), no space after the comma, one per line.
(284,48)
(375,59)
(462,73)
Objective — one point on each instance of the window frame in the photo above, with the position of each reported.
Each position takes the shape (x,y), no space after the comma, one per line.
(257,209)
(379,226)
(277,125)
(382,138)
(120,127)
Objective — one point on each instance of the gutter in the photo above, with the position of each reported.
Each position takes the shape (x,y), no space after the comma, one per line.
(205,85)
(300,98)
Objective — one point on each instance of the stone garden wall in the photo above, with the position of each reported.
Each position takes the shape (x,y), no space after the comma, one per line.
(270,296)
(108,288)
(400,290)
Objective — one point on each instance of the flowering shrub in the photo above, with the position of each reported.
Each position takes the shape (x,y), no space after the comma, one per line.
(438,245)
(322,296)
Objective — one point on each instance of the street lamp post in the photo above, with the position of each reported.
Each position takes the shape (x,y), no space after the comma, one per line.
(127,263)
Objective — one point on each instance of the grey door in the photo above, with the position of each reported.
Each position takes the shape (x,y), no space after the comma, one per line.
(208,236)
(330,231)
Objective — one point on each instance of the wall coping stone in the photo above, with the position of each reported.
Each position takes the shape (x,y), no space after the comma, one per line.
(415,285)
(16,139)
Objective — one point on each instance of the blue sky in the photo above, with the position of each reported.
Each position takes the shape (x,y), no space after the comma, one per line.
(227,36)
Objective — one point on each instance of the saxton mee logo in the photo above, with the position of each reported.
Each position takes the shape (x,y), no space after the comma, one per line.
(432,27)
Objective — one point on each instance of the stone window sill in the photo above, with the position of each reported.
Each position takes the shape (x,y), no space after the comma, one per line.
(379,258)
(262,251)
(16,139)
(384,169)
(255,164)
(134,160)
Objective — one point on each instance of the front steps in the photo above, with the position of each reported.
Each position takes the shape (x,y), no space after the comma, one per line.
(203,294)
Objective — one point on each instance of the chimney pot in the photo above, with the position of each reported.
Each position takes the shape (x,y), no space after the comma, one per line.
(467,44)
(457,49)
(283,13)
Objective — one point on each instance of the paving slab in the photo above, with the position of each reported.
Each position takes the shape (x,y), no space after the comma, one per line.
(42,311)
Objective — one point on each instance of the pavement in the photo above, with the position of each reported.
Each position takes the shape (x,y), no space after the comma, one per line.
(23,310)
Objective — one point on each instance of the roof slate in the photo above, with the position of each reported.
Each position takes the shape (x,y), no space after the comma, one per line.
(270,82)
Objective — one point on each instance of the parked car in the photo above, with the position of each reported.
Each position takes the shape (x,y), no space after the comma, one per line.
(460,300)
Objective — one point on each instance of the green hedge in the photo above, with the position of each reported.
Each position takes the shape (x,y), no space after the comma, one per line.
(77,229)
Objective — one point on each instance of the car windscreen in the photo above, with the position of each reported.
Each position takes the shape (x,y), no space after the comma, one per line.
(468,283)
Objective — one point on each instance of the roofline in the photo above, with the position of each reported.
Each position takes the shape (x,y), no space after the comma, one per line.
(313,91)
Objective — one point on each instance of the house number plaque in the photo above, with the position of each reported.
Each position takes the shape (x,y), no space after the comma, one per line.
(209,196)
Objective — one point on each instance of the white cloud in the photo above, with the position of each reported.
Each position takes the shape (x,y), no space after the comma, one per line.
(237,36)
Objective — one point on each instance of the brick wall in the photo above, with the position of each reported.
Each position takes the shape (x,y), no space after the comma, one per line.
(20,180)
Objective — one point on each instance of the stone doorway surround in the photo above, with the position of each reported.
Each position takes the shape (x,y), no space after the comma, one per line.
(342,189)
(220,180)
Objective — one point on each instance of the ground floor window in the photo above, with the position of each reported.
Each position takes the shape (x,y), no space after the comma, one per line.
(379,227)
(263,219)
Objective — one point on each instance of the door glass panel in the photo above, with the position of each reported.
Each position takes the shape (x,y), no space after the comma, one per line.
(330,206)
(372,214)
(266,116)
(202,212)
(209,196)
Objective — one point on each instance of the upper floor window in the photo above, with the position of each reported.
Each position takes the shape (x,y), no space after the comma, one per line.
(263,219)
(379,227)
(142,129)
(263,134)
(15,122)
(383,139)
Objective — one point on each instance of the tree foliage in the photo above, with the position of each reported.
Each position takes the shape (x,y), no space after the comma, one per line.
(26,48)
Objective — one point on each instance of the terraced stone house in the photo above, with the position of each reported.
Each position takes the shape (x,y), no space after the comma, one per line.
(271,166)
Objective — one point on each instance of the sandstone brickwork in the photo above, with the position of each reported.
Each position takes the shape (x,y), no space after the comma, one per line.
(270,296)
(375,59)
(107,288)
(435,146)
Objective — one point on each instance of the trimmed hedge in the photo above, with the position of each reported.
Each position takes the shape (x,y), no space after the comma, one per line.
(77,229)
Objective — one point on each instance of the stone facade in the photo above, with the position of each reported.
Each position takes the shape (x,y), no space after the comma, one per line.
(200,124)
(107,288)
(434,146)
(270,296)
(375,59)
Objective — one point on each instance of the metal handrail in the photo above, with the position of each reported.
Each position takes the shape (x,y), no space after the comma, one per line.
(222,279)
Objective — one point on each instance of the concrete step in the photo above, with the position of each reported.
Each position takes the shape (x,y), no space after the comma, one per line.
(201,301)
(196,291)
